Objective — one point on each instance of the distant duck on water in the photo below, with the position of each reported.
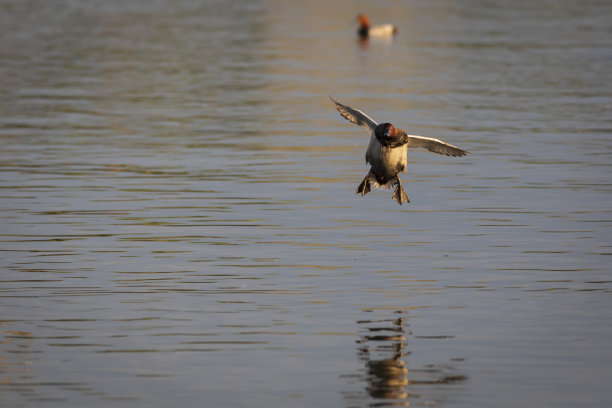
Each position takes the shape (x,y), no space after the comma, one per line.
(366,30)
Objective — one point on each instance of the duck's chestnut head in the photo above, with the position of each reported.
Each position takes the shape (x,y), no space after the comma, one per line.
(364,26)
(385,131)
(363,20)
(390,136)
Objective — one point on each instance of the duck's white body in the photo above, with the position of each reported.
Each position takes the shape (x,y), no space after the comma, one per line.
(382,31)
(386,162)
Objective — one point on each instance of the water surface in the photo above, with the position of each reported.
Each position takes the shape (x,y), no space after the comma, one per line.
(179,224)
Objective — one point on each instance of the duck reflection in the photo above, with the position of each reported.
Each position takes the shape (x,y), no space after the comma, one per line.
(382,349)
(387,379)
(364,43)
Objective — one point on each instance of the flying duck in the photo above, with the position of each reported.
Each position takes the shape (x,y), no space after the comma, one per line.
(387,150)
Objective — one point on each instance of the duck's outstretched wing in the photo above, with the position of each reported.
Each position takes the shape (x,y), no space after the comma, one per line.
(435,145)
(356,116)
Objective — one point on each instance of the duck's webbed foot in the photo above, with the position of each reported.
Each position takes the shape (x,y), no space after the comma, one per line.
(365,186)
(399,195)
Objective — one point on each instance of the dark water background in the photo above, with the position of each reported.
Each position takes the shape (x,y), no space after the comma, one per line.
(179,224)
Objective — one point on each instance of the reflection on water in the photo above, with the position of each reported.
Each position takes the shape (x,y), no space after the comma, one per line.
(386,375)
(178,220)
(383,348)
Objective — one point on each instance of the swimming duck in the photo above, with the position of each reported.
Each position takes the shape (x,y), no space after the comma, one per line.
(365,30)
(387,150)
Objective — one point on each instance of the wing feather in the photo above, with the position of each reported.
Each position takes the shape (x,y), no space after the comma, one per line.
(435,145)
(355,116)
